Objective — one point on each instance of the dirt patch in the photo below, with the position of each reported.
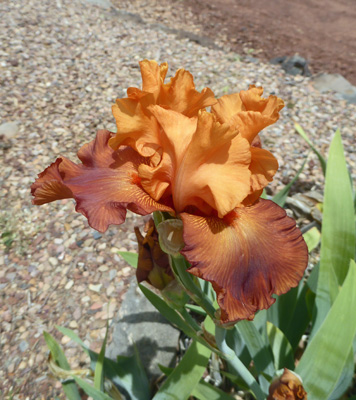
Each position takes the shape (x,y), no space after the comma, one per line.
(321,31)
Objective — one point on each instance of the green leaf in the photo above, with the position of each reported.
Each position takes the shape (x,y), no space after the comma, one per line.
(281,348)
(165,370)
(301,132)
(325,357)
(99,367)
(204,391)
(70,388)
(126,372)
(254,334)
(312,281)
(236,380)
(196,309)
(259,350)
(338,231)
(179,267)
(186,375)
(264,194)
(345,380)
(91,390)
(312,238)
(72,335)
(281,197)
(300,316)
(281,312)
(171,315)
(131,374)
(129,257)
(290,313)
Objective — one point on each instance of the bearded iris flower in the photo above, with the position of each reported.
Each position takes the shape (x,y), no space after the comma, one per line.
(205,168)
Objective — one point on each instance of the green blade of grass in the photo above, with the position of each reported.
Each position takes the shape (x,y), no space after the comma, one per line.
(281,197)
(129,257)
(99,367)
(301,132)
(91,390)
(70,388)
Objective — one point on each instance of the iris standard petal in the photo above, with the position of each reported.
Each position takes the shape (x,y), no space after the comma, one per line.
(103,186)
(215,168)
(153,76)
(248,111)
(180,95)
(249,255)
(136,127)
(205,163)
(175,135)
(263,168)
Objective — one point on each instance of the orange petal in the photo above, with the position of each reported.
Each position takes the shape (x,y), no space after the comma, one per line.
(48,186)
(135,125)
(253,101)
(215,168)
(250,123)
(205,163)
(104,186)
(263,167)
(135,128)
(180,95)
(153,76)
(227,106)
(248,111)
(249,255)
(175,135)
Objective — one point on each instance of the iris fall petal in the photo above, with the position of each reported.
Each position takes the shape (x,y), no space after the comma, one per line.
(248,256)
(103,186)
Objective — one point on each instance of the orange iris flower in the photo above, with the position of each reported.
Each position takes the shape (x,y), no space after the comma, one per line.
(206,168)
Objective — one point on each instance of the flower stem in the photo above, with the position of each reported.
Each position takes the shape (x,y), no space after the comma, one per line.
(236,363)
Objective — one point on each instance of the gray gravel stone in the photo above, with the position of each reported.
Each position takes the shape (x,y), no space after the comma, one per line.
(9,129)
(99,3)
(23,346)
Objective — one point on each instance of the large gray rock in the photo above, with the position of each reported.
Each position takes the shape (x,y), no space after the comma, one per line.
(140,323)
(335,83)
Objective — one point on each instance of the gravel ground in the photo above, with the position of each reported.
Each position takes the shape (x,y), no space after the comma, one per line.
(62,65)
